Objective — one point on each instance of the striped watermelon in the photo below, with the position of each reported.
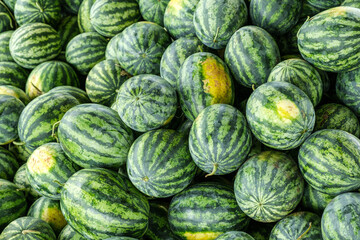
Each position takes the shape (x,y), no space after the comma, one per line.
(146,102)
(348,89)
(8,164)
(341,52)
(314,200)
(309,10)
(72,6)
(163,169)
(175,55)
(194,213)
(104,80)
(268,186)
(6,20)
(12,203)
(325,4)
(15,92)
(280,115)
(140,47)
(28,228)
(93,135)
(219,140)
(351,3)
(4,46)
(21,180)
(10,110)
(84,16)
(215,21)
(68,233)
(86,50)
(21,152)
(153,10)
(13,74)
(10,4)
(329,161)
(77,93)
(251,54)
(235,235)
(100,203)
(48,169)
(203,80)
(111,48)
(301,74)
(48,75)
(67,29)
(38,117)
(110,17)
(340,219)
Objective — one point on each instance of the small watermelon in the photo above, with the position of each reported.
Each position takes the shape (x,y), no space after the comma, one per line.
(153,10)
(8,164)
(84,22)
(13,74)
(5,55)
(348,89)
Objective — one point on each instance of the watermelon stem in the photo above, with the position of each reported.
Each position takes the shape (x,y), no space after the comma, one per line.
(38,5)
(57,182)
(307,230)
(18,143)
(53,134)
(30,231)
(213,171)
(253,87)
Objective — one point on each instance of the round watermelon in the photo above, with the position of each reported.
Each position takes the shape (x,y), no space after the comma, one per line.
(8,164)
(13,74)
(83,16)
(153,10)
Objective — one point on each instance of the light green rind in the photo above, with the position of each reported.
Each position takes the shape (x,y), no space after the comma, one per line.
(351,3)
(13,74)
(8,164)
(314,200)
(4,46)
(68,233)
(153,10)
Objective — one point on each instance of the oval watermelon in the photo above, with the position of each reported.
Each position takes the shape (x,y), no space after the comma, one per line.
(4,46)
(153,10)
(84,16)
(348,89)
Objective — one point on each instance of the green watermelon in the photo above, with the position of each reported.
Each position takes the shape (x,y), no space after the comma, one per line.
(185,127)
(235,235)
(10,110)
(141,46)
(314,200)
(86,50)
(146,102)
(13,74)
(351,3)
(268,186)
(348,89)
(72,6)
(111,48)
(340,52)
(309,10)
(215,21)
(10,4)
(28,228)
(21,180)
(68,233)
(15,92)
(84,16)
(20,150)
(77,93)
(340,219)
(67,29)
(110,17)
(8,164)
(301,74)
(93,135)
(4,46)
(325,4)
(329,161)
(6,20)
(100,203)
(153,10)
(203,80)
(251,54)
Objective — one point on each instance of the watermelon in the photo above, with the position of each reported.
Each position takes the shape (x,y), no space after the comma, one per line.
(215,21)
(153,10)
(219,140)
(314,200)
(348,89)
(100,203)
(146,102)
(48,169)
(110,17)
(178,18)
(10,110)
(28,228)
(309,10)
(301,74)
(185,127)
(93,135)
(140,47)
(84,22)
(10,4)
(77,93)
(68,233)
(288,42)
(341,52)
(12,203)
(351,3)
(235,235)
(21,180)
(111,48)
(280,115)
(38,117)
(268,186)
(8,164)
(13,74)
(201,203)
(104,80)
(251,54)
(325,4)
(163,169)
(48,75)
(15,92)
(340,219)
(67,29)
(48,210)
(6,20)
(4,46)
(72,6)
(21,152)
(329,161)
(277,16)
(203,80)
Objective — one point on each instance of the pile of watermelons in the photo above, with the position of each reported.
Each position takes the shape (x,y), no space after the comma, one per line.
(180,119)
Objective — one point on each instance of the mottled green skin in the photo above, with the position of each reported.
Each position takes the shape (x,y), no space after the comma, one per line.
(325,4)
(280,115)
(15,92)
(341,53)
(153,10)
(13,74)
(67,29)
(12,203)
(235,235)
(84,22)
(351,3)
(100,204)
(301,74)
(348,89)
(268,186)
(110,17)
(104,80)
(21,152)
(251,54)
(77,93)
(43,11)
(288,43)
(8,164)
(38,117)
(219,139)
(276,17)
(10,110)
(15,230)
(314,200)
(329,161)
(146,102)
(299,225)
(6,21)
(86,50)
(178,18)
(175,55)
(68,233)
(340,219)
(93,135)
(21,180)
(309,10)
(215,21)
(4,46)
(111,48)
(10,4)
(72,6)
(159,163)
(141,46)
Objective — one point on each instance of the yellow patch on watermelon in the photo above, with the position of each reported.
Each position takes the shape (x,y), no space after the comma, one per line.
(54,217)
(202,235)
(7,91)
(287,110)
(31,89)
(175,5)
(41,160)
(337,11)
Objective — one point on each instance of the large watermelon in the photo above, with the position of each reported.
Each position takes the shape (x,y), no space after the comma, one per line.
(8,164)
(348,89)
(15,92)
(153,10)
(4,46)
(314,200)
(68,233)
(13,74)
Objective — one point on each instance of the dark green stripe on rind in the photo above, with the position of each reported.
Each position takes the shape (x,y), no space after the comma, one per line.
(111,48)
(77,93)
(84,16)
(21,152)
(8,164)
(21,180)
(6,21)
(67,29)
(235,235)
(153,10)
(68,233)
(314,200)
(348,89)
(13,74)
(4,46)
(72,6)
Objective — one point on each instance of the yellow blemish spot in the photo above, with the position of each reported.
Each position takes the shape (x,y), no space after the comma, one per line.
(175,5)
(41,161)
(337,11)
(202,236)
(54,217)
(287,110)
